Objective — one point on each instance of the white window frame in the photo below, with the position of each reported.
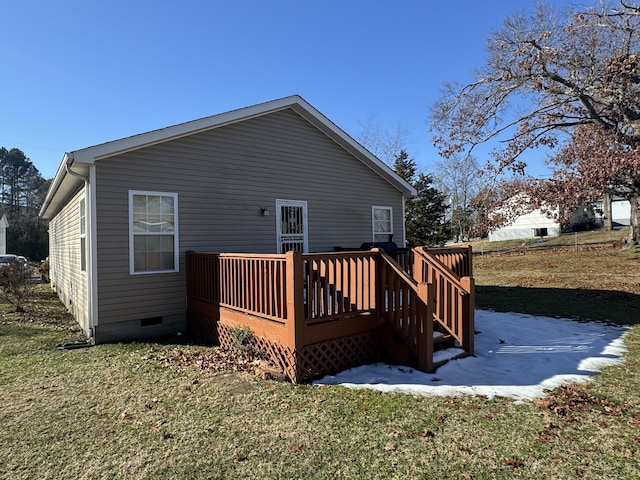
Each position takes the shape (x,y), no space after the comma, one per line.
(375,208)
(175,233)
(82,204)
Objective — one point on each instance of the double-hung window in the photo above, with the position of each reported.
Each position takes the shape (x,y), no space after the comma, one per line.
(153,232)
(382,219)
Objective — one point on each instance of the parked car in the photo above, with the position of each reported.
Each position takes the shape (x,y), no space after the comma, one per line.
(7,259)
(26,268)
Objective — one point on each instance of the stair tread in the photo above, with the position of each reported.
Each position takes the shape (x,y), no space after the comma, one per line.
(439,337)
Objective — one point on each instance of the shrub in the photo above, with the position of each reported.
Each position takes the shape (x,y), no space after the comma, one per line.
(244,342)
(44,271)
(15,287)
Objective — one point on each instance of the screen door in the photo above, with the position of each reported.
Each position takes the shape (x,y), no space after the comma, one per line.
(291,224)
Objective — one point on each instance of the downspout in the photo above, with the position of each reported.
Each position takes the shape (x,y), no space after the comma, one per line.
(89,240)
(67,167)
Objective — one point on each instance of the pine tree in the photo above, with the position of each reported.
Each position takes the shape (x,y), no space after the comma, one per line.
(405,167)
(425,215)
(425,221)
(22,190)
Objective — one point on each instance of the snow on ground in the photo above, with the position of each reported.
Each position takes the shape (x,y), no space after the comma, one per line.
(517,356)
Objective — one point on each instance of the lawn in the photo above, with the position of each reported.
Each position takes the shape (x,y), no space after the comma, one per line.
(582,276)
(135,410)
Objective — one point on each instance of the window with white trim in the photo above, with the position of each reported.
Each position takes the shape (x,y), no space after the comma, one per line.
(153,232)
(83,235)
(382,220)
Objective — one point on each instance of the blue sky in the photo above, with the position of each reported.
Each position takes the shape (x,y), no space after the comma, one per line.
(78,73)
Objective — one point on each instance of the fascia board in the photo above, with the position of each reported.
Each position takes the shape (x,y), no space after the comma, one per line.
(91,154)
(88,156)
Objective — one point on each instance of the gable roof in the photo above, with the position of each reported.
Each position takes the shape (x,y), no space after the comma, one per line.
(74,167)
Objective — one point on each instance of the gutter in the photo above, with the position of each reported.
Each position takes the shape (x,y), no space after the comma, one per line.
(67,167)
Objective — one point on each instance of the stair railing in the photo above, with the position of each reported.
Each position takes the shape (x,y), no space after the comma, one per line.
(406,306)
(454,296)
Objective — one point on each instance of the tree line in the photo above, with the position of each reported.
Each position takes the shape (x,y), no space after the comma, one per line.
(22,192)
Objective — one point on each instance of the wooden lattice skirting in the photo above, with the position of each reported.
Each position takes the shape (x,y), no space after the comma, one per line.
(301,365)
(202,327)
(332,356)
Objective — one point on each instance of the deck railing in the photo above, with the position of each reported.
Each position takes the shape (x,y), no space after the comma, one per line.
(406,307)
(456,259)
(338,285)
(454,294)
(255,284)
(308,304)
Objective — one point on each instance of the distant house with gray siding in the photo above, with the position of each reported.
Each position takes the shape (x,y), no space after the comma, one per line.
(269,178)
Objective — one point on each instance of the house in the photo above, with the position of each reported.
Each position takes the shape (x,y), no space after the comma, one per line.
(541,223)
(535,224)
(619,210)
(4,224)
(270,178)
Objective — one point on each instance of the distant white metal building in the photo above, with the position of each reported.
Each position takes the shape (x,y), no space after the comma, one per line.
(534,224)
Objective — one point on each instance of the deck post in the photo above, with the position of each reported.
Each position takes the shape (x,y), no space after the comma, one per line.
(469,260)
(468,312)
(426,294)
(418,265)
(295,302)
(379,288)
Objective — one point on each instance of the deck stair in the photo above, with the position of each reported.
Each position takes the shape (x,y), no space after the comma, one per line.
(319,313)
(396,351)
(448,294)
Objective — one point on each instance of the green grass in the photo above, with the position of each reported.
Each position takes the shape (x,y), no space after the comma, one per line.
(596,281)
(123,411)
(578,240)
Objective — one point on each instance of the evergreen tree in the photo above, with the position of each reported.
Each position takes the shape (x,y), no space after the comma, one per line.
(405,167)
(425,213)
(22,191)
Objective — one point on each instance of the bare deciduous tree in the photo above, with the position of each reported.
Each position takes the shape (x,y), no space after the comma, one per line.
(385,143)
(566,81)
(460,180)
(15,287)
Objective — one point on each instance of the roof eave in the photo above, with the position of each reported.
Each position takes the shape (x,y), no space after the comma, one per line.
(91,154)
(63,185)
(355,148)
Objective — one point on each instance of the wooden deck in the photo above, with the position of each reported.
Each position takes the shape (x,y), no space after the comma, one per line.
(315,314)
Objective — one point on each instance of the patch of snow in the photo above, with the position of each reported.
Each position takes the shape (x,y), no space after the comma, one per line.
(516,356)
(446,355)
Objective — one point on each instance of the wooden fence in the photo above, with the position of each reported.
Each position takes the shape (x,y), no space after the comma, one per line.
(314,314)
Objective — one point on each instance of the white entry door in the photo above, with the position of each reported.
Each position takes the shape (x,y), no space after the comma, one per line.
(291,225)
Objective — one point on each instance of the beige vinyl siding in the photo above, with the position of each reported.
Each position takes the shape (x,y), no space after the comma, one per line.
(67,279)
(223,177)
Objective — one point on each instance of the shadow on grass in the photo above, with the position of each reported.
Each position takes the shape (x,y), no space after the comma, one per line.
(620,308)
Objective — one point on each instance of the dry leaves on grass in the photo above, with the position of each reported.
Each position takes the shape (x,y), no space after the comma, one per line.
(635,420)
(513,462)
(426,434)
(568,399)
(216,360)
